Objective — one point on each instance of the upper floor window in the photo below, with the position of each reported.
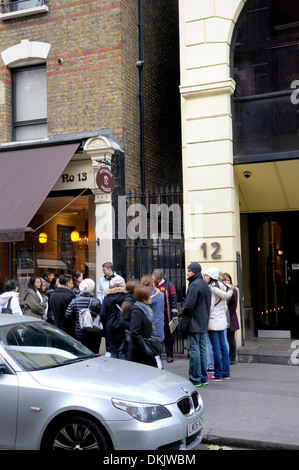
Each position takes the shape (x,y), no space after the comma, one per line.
(16,8)
(266,70)
(29,92)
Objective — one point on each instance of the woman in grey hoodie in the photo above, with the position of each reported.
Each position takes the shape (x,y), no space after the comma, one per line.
(11,292)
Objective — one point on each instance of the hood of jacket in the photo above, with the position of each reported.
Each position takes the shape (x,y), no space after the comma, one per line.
(116,290)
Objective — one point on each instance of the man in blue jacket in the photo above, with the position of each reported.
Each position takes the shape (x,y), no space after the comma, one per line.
(195,318)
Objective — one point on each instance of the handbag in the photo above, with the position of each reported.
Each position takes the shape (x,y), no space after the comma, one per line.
(89,321)
(151,346)
(7,309)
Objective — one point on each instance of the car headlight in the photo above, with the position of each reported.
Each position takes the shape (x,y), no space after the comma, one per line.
(145,412)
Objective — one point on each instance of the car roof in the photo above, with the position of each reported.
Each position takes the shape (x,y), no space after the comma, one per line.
(10,319)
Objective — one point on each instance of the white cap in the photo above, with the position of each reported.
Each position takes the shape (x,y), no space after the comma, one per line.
(213,273)
(87,285)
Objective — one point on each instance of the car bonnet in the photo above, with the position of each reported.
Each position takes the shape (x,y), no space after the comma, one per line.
(105,376)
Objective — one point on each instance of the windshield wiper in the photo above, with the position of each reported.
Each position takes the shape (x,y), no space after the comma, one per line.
(71,361)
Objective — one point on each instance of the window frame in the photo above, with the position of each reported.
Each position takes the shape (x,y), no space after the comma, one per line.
(30,122)
(7,12)
(243,98)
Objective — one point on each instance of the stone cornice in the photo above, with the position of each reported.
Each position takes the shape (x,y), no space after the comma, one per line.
(206,89)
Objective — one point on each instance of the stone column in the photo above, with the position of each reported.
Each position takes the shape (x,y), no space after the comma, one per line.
(101,151)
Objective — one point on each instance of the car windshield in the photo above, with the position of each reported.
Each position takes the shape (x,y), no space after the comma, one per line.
(39,345)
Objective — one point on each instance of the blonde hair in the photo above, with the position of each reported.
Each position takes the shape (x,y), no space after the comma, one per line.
(148,281)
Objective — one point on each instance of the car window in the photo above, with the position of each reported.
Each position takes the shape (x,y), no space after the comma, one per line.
(40,345)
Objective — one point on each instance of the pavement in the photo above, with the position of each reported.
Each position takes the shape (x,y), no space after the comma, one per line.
(257,408)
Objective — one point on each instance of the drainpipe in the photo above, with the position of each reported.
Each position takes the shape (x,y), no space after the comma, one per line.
(140,65)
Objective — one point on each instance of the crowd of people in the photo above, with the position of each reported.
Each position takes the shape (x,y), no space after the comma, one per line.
(128,311)
(137,309)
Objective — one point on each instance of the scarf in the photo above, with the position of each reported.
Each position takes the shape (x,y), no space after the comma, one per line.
(146,309)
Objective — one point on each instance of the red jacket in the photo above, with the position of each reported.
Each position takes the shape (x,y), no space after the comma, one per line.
(170,299)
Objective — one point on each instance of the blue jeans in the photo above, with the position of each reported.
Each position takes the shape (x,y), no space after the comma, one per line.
(221,355)
(198,357)
(114,345)
(210,353)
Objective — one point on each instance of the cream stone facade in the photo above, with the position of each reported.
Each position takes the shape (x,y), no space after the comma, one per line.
(210,191)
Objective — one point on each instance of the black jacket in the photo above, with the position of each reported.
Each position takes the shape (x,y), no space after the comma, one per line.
(110,312)
(59,301)
(140,325)
(197,304)
(72,315)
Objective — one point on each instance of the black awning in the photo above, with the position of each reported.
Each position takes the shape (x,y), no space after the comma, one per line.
(26,178)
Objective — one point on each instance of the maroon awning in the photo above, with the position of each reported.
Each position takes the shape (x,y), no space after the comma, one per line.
(26,178)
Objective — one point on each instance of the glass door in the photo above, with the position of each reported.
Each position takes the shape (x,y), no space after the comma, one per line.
(275,271)
(271,275)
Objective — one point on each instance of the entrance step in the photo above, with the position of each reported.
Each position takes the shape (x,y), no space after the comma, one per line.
(270,351)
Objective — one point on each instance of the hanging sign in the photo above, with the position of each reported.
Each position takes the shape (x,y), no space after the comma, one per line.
(105,180)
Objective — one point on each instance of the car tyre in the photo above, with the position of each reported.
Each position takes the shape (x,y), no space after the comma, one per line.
(76,433)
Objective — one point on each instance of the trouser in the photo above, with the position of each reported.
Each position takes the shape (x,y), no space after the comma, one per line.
(198,357)
(168,340)
(220,351)
(232,344)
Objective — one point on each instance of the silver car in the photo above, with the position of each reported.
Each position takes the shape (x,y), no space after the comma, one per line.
(57,394)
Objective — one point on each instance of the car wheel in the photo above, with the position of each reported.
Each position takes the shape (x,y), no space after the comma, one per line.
(77,433)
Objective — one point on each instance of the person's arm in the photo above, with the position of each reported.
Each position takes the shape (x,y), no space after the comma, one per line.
(173,301)
(135,329)
(190,301)
(15,306)
(100,290)
(36,306)
(222,294)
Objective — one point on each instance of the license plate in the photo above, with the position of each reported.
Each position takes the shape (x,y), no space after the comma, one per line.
(194,426)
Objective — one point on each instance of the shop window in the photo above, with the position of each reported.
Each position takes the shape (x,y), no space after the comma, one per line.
(265,66)
(29,103)
(51,245)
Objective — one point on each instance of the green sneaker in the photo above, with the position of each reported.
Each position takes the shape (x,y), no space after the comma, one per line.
(195,383)
(204,383)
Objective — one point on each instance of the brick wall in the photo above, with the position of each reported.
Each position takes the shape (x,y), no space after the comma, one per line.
(97,84)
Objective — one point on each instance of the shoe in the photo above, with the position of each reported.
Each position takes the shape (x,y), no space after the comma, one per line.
(195,383)
(169,359)
(212,377)
(210,370)
(204,383)
(232,363)
(226,378)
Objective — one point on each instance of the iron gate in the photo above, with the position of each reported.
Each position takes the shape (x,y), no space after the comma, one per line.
(155,239)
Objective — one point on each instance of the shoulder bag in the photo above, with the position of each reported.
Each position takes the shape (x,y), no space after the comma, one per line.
(90,321)
(7,309)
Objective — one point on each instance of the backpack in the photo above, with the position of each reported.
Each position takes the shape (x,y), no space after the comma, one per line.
(7,309)
(89,321)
